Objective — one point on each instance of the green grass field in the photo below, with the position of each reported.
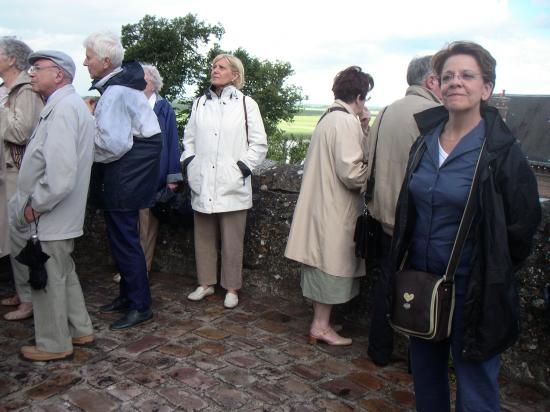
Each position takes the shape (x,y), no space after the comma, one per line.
(305,121)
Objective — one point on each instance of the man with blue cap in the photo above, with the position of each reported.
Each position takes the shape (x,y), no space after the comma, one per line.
(50,201)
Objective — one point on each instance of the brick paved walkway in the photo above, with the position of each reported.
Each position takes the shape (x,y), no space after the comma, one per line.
(199,356)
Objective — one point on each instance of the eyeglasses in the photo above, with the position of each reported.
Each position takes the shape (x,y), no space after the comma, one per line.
(466,76)
(34,69)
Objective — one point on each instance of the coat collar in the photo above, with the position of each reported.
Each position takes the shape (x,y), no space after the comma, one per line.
(473,140)
(99,85)
(497,132)
(343,104)
(21,79)
(421,91)
(229,92)
(55,98)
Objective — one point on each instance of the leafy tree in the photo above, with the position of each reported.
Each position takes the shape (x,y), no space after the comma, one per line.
(172,46)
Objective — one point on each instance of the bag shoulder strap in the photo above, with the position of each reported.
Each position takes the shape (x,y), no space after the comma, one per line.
(197,102)
(370,183)
(245,119)
(330,110)
(465,223)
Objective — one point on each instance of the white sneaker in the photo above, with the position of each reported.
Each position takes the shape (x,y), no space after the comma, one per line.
(116,278)
(231,300)
(200,293)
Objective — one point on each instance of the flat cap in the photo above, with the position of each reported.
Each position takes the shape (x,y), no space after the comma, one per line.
(59,58)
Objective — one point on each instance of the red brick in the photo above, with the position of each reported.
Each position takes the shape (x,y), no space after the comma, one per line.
(144,344)
(92,401)
(53,386)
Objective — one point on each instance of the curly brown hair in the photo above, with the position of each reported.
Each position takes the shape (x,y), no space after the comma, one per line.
(350,83)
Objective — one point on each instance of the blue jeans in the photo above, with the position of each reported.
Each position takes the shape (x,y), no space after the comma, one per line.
(477,386)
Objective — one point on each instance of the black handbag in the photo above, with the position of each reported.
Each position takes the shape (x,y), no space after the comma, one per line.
(367,237)
(423,303)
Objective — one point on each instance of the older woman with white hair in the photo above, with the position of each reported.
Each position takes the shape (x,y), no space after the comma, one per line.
(224,141)
(20,110)
(170,166)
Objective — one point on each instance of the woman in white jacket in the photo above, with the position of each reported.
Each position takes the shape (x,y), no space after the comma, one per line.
(224,141)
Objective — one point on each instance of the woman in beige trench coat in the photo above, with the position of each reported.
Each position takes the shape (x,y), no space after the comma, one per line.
(330,200)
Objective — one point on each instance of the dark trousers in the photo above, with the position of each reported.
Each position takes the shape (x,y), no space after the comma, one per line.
(123,235)
(476,382)
(381,333)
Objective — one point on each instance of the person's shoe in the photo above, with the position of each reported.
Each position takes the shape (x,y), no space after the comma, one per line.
(330,338)
(20,313)
(84,340)
(118,305)
(12,301)
(200,293)
(378,360)
(231,300)
(116,277)
(34,354)
(132,318)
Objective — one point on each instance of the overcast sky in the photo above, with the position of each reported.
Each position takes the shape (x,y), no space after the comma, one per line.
(318,38)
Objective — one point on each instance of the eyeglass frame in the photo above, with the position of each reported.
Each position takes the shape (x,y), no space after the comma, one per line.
(34,69)
(449,77)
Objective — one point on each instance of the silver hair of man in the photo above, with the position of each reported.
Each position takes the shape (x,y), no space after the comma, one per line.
(106,44)
(154,76)
(12,47)
(418,70)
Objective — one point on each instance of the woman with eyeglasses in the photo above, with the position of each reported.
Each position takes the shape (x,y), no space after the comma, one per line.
(429,210)
(20,109)
(330,200)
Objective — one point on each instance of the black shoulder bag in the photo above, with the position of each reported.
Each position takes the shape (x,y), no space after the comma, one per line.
(368,230)
(423,303)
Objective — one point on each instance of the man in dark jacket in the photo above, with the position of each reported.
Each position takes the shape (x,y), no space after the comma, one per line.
(128,142)
(390,140)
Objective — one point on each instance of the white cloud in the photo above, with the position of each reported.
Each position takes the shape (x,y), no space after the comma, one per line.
(317,38)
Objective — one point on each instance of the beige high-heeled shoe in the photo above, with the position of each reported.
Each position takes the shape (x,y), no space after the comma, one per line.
(332,341)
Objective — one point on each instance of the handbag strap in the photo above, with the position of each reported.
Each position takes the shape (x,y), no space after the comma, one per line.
(465,224)
(371,181)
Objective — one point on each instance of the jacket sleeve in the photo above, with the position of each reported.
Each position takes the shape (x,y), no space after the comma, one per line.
(172,140)
(522,208)
(18,121)
(58,177)
(113,135)
(257,138)
(190,132)
(349,159)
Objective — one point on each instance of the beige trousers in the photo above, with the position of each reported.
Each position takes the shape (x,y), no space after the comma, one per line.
(223,231)
(60,312)
(20,272)
(148,231)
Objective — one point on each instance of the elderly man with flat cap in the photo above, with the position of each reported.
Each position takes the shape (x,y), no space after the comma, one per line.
(50,200)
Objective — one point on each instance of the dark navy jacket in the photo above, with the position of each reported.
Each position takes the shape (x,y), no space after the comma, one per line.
(170,166)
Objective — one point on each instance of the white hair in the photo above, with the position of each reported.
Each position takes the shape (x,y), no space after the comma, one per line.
(154,75)
(106,44)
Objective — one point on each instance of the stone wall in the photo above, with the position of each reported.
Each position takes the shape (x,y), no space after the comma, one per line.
(266,271)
